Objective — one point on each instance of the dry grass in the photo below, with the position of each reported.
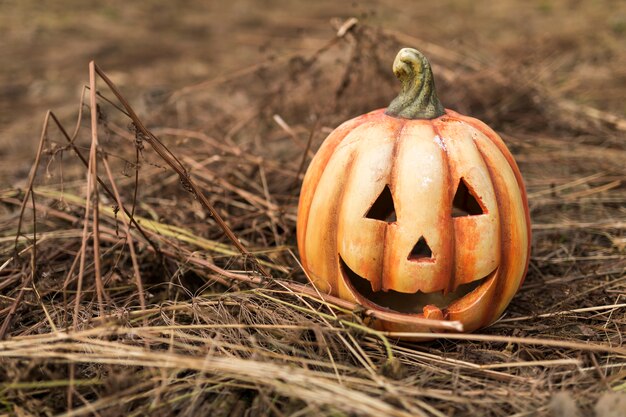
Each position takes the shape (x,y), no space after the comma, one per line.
(149,269)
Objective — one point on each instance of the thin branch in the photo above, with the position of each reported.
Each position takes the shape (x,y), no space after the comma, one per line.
(129,238)
(92,187)
(177,166)
(29,194)
(102,183)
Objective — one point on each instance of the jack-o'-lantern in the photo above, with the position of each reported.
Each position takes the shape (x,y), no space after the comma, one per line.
(416,209)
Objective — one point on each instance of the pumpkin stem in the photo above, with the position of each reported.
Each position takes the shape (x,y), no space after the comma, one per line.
(417,98)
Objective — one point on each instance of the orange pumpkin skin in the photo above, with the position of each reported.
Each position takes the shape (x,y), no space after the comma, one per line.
(422,162)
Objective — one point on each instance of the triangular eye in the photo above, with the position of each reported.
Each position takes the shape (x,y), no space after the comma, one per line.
(465,202)
(420,251)
(383,208)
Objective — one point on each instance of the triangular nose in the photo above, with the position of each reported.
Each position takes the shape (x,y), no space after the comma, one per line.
(421,251)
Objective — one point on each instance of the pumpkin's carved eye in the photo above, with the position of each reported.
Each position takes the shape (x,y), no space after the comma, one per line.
(421,251)
(465,202)
(383,208)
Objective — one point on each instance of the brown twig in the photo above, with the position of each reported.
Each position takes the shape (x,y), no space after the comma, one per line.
(92,187)
(29,194)
(176,165)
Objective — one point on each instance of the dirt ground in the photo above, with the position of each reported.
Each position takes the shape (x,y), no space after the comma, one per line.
(172,317)
(577,49)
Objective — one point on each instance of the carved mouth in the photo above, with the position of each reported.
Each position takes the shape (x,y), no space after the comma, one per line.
(408,303)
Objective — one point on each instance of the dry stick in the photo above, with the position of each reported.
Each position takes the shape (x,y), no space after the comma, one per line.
(306,151)
(31,181)
(106,189)
(103,185)
(75,134)
(31,177)
(285,127)
(92,174)
(590,347)
(271,214)
(79,118)
(561,313)
(29,280)
(599,371)
(29,193)
(610,119)
(580,225)
(83,251)
(569,184)
(177,166)
(66,282)
(136,185)
(206,139)
(131,244)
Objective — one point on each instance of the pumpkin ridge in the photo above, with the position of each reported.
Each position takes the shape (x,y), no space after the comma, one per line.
(506,207)
(397,136)
(476,234)
(489,311)
(306,205)
(503,267)
(333,225)
(483,128)
(452,250)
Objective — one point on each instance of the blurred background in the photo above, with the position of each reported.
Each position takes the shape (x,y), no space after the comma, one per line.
(576,49)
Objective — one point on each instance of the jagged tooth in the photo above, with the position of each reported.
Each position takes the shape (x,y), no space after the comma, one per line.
(432,312)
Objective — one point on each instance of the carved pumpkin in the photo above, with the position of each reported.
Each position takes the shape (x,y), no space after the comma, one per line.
(416,209)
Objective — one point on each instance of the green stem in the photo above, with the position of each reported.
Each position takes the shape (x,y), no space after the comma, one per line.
(417,98)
